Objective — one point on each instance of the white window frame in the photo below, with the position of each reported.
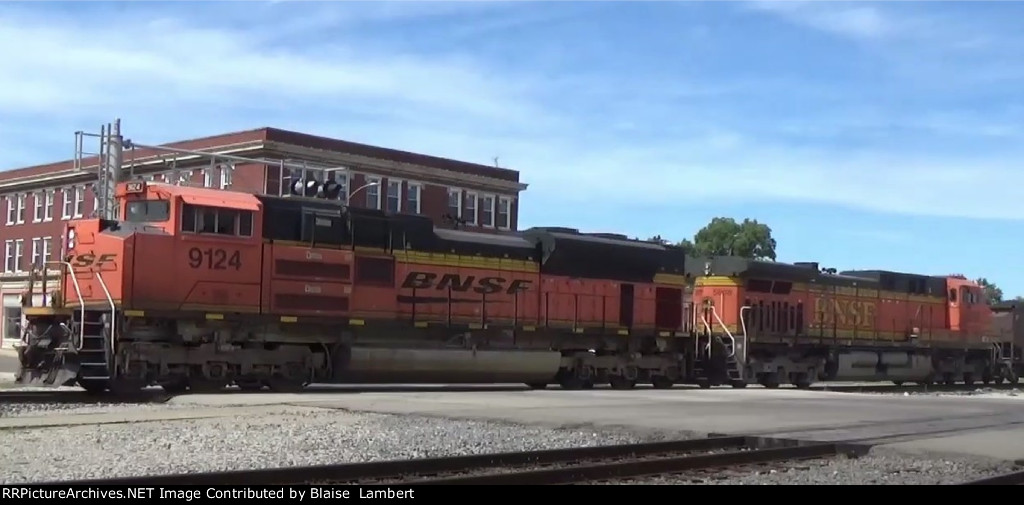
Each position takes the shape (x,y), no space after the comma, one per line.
(20,214)
(37,250)
(414,197)
(506,223)
(342,178)
(48,201)
(9,256)
(373,193)
(67,202)
(457,193)
(38,206)
(395,184)
(19,255)
(226,176)
(487,211)
(10,209)
(470,209)
(47,249)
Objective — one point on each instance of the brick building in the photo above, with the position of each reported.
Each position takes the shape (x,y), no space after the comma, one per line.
(37,200)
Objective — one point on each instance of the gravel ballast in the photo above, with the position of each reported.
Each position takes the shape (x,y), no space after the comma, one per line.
(295,438)
(871,469)
(298,436)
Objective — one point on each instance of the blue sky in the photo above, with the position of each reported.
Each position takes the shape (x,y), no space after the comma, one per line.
(867,135)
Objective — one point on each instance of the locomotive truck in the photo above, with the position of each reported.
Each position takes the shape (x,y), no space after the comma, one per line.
(196,289)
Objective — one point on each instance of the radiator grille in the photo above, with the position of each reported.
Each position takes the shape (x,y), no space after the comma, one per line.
(294,268)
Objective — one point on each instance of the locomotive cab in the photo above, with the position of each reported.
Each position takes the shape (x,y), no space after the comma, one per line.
(192,248)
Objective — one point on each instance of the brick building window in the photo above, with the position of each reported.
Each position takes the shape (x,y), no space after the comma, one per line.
(504,212)
(487,210)
(469,213)
(412,198)
(16,209)
(394,196)
(455,202)
(13,253)
(373,193)
(74,201)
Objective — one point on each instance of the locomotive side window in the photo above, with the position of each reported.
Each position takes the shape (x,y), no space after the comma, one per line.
(217,221)
(148,211)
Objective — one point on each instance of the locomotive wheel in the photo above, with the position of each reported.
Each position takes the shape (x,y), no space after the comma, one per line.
(738,384)
(175,387)
(537,385)
(249,385)
(285,385)
(571,382)
(620,382)
(93,386)
(201,386)
(662,382)
(704,383)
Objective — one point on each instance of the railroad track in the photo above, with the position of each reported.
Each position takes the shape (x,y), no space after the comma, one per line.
(1006,479)
(73,396)
(915,388)
(557,466)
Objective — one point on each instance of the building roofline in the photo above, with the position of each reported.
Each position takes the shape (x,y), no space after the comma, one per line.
(345,146)
(263,135)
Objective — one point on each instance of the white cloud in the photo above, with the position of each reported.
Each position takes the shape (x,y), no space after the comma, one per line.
(62,65)
(172,79)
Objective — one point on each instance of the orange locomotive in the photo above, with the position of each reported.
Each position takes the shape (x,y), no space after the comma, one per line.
(199,288)
(794,323)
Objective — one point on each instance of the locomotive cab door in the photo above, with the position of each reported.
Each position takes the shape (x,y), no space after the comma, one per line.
(626,305)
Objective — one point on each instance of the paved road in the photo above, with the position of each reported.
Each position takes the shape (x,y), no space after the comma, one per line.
(987,427)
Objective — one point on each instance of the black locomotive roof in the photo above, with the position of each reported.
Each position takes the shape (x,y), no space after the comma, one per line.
(567,251)
(810,272)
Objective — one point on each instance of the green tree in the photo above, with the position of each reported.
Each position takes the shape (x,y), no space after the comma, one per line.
(992,292)
(723,236)
(685,244)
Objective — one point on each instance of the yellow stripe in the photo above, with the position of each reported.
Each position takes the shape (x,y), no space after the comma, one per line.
(356,322)
(718,280)
(135,313)
(819,290)
(215,317)
(289,319)
(671,279)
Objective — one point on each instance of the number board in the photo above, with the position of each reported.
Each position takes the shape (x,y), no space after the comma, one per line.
(213,258)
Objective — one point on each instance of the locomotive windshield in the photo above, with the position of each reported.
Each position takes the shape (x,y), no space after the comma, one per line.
(148,211)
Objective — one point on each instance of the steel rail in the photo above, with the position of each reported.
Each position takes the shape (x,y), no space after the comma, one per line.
(403,469)
(639,468)
(1006,479)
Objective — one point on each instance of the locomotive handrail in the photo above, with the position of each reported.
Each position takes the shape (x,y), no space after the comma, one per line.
(81,302)
(108,343)
(732,351)
(743,324)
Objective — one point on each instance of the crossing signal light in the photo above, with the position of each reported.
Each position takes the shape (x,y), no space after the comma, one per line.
(330,190)
(305,188)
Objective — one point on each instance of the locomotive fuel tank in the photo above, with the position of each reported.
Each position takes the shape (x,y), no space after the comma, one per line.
(364,365)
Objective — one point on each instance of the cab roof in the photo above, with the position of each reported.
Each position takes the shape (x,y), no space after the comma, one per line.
(209,197)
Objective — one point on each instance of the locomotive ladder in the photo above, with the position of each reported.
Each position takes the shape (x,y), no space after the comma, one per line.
(734,364)
(96,330)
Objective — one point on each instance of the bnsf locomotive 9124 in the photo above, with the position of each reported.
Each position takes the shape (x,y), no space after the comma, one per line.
(198,289)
